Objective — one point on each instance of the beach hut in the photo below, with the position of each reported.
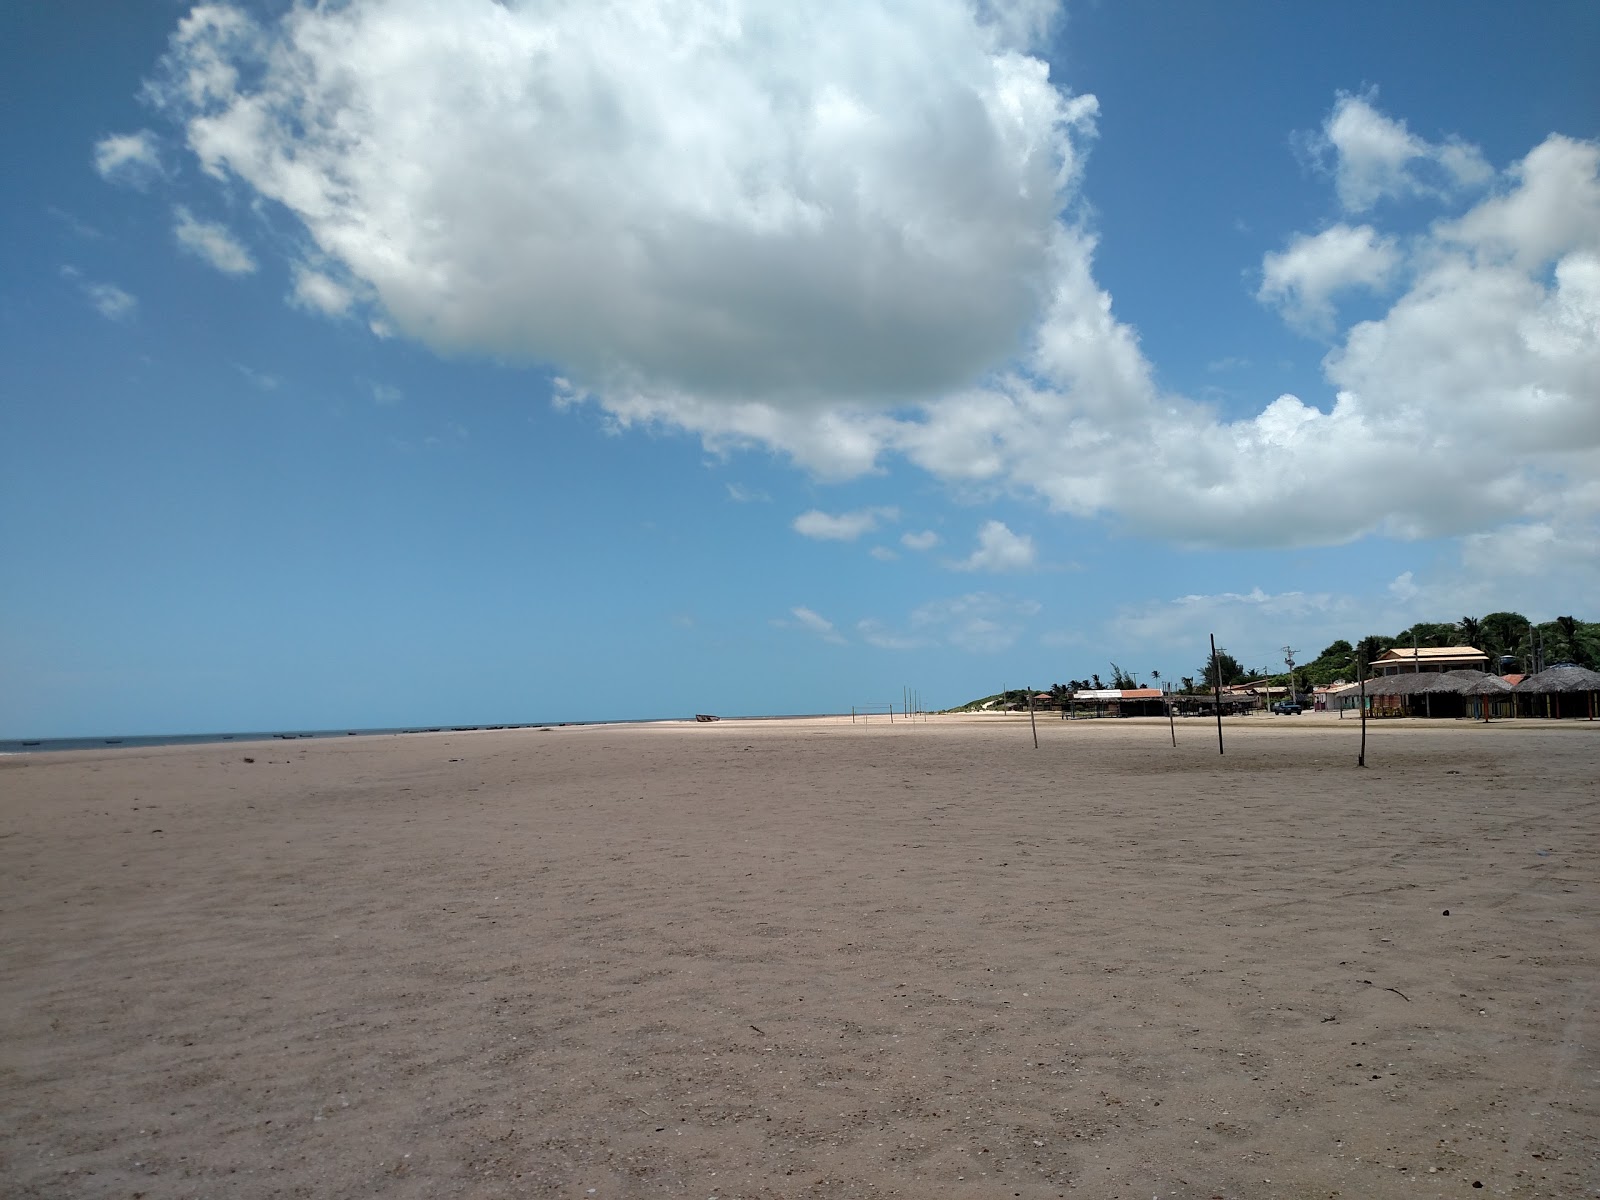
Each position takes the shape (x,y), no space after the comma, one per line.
(1491,697)
(1564,690)
(1423,694)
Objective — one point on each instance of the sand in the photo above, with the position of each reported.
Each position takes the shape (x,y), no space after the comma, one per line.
(808,959)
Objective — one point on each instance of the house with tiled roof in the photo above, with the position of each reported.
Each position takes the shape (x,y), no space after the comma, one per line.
(1403,660)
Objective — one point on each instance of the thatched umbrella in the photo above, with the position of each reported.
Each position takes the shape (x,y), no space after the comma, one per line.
(1559,681)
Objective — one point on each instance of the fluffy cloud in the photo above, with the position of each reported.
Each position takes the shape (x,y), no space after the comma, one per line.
(725,200)
(999,550)
(320,293)
(1302,280)
(212,243)
(128,158)
(925,540)
(1377,157)
(851,237)
(844,527)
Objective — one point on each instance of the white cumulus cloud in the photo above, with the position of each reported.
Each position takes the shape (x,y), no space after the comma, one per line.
(842,527)
(128,158)
(318,292)
(850,235)
(1302,280)
(213,243)
(721,199)
(999,550)
(1377,157)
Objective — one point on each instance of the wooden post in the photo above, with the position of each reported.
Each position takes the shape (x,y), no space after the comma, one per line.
(1361,674)
(1031,721)
(1216,679)
(1172,725)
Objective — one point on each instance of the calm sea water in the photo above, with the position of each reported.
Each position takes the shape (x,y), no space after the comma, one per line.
(29,745)
(32,745)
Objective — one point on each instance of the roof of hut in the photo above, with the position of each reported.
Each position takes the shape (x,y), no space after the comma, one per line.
(1564,678)
(1425,683)
(1488,685)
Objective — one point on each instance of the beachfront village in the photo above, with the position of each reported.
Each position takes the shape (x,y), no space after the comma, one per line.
(1502,665)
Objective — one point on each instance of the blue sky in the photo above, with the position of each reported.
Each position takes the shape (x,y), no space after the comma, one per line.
(410,362)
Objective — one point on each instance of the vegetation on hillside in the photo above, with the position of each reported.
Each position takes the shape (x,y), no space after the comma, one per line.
(1512,642)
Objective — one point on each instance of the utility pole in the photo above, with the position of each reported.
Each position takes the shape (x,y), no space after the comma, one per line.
(1288,656)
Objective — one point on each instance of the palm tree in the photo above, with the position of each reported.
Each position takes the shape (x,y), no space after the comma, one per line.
(1569,636)
(1471,632)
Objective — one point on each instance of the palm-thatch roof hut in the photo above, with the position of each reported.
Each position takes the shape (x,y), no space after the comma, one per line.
(1490,696)
(1428,694)
(1566,690)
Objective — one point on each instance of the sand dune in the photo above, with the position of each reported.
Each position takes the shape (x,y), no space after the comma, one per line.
(808,959)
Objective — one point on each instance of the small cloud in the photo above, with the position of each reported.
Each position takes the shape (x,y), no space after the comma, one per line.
(213,243)
(740,494)
(1301,281)
(262,380)
(1376,157)
(1403,586)
(110,301)
(876,633)
(384,393)
(926,540)
(999,550)
(979,622)
(845,527)
(1230,363)
(883,554)
(82,228)
(320,293)
(813,622)
(128,158)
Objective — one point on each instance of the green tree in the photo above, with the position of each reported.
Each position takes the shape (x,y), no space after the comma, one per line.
(1504,633)
(1121,678)
(1470,631)
(1227,665)
(1374,644)
(1187,681)
(1427,633)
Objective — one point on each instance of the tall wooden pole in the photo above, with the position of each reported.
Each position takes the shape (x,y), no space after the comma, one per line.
(1216,679)
(1031,721)
(1171,724)
(1361,674)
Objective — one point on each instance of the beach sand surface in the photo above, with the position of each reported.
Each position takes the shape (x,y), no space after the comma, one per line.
(808,959)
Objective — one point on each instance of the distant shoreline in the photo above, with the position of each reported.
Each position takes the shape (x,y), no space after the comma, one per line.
(45,745)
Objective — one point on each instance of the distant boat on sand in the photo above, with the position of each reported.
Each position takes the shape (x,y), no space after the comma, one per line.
(706,717)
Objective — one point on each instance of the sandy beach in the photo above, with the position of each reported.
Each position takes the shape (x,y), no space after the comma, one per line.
(808,959)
